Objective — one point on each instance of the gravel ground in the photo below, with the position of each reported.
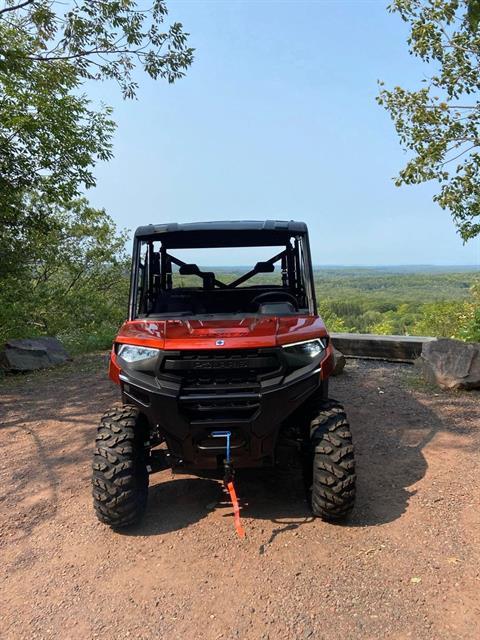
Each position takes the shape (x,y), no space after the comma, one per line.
(405,566)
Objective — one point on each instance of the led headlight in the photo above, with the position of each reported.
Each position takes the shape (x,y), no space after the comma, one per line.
(309,348)
(131,353)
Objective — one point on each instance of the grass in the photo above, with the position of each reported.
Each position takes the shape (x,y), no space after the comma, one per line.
(89,342)
(413,380)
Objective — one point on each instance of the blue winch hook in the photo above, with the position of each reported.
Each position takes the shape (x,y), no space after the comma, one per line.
(224,434)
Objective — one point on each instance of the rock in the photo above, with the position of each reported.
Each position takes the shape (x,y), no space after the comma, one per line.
(31,354)
(339,362)
(451,364)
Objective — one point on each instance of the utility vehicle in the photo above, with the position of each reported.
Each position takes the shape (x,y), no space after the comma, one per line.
(221,369)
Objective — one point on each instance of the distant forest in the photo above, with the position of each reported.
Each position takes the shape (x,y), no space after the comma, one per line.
(431,301)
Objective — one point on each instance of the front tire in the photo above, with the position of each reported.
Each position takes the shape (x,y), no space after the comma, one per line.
(331,460)
(120,475)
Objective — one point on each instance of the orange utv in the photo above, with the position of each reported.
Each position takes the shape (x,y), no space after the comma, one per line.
(221,368)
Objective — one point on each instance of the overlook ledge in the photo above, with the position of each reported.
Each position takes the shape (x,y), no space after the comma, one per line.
(379,347)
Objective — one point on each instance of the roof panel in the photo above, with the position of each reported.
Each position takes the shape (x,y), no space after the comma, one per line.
(226,226)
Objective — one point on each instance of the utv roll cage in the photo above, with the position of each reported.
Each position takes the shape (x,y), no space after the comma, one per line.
(154,267)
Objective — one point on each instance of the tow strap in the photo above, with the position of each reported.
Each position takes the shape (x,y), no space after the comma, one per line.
(236,510)
(228,482)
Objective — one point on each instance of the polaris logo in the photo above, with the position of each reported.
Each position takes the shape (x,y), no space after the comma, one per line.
(219,343)
(220,364)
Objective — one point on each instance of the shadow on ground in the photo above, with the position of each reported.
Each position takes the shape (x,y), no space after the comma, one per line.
(265,495)
(390,427)
(54,425)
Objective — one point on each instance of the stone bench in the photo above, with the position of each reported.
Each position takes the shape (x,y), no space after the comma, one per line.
(369,345)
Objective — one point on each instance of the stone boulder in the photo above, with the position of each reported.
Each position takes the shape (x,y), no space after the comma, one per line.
(31,354)
(451,364)
(339,362)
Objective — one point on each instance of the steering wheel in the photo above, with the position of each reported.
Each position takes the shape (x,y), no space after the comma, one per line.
(275,296)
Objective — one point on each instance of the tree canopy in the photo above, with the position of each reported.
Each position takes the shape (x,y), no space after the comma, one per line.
(102,38)
(440,121)
(52,136)
(73,277)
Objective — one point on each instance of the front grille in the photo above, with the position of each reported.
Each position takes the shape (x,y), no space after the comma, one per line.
(218,387)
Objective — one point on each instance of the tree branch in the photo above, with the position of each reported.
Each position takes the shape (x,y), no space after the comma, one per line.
(15,7)
(462,153)
(84,54)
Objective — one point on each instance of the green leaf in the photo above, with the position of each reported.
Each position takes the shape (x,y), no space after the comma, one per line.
(473,14)
(439,125)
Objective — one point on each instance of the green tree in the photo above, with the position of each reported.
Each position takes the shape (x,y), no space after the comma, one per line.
(331,319)
(50,137)
(101,38)
(440,122)
(443,319)
(73,279)
(469,328)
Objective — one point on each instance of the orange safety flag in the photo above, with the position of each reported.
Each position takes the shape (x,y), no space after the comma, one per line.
(236,510)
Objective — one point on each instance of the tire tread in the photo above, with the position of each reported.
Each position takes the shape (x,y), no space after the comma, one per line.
(119,471)
(332,490)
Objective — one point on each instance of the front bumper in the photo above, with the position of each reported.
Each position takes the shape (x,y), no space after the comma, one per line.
(253,416)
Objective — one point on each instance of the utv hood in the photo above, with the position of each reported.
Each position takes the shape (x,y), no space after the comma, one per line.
(238,333)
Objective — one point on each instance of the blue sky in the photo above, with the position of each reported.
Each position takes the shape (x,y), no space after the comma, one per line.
(277,119)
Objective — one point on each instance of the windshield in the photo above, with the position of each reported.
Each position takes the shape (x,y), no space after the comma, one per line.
(182,282)
(199,261)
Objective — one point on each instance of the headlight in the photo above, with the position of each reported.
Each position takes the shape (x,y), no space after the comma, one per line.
(309,348)
(131,353)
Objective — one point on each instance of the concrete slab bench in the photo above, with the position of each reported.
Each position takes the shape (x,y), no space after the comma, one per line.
(369,345)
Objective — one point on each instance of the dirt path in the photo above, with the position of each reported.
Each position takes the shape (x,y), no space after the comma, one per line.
(406,566)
